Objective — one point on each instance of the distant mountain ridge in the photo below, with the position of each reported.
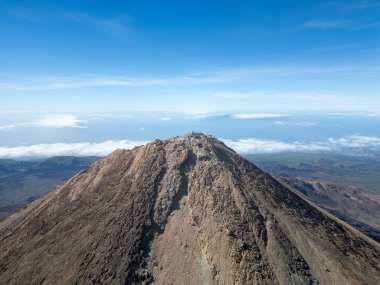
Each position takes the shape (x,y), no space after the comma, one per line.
(68,161)
(22,182)
(187,210)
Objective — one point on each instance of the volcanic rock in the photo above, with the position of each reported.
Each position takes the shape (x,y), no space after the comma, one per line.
(188,210)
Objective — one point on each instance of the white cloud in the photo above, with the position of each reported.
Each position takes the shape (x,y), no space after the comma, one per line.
(239,116)
(7,127)
(274,94)
(305,124)
(52,121)
(358,114)
(113,27)
(253,145)
(258,116)
(113,116)
(341,24)
(239,95)
(279,123)
(201,116)
(42,83)
(59,83)
(322,24)
(165,119)
(355,142)
(242,146)
(79,149)
(205,116)
(57,121)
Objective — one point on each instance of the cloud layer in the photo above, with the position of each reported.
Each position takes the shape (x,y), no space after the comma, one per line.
(50,121)
(58,121)
(113,27)
(78,149)
(242,146)
(253,145)
(238,74)
(244,116)
(7,127)
(258,116)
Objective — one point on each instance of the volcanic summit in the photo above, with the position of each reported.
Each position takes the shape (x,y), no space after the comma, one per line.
(187,210)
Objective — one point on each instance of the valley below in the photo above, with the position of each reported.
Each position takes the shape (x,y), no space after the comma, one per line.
(24,181)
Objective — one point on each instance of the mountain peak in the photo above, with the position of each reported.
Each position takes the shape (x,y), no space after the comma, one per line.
(194,140)
(187,210)
(198,136)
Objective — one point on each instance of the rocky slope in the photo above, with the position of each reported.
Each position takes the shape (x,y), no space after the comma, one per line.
(358,207)
(187,210)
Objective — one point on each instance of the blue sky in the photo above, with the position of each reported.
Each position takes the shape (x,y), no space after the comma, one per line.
(189,56)
(86,77)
